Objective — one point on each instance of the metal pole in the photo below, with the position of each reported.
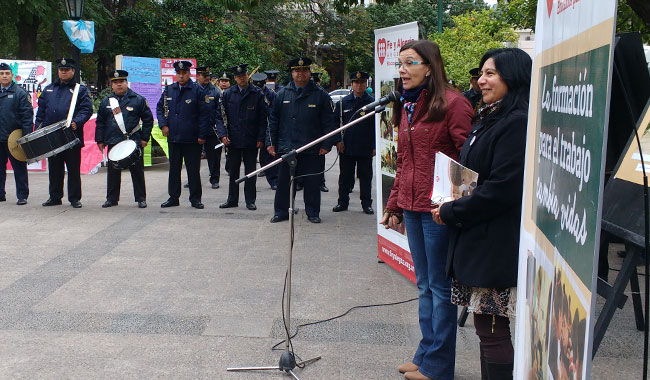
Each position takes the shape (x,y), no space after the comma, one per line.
(439,16)
(77,68)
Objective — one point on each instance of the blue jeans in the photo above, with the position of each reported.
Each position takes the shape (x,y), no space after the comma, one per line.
(428,241)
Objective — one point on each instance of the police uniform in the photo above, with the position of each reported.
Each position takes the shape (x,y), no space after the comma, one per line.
(16,112)
(298,116)
(187,118)
(247,118)
(211,95)
(271,174)
(474,97)
(133,108)
(53,106)
(358,148)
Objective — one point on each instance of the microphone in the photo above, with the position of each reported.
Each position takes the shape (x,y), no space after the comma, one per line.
(393,96)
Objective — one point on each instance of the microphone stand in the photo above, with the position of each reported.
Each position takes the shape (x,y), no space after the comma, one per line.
(287,360)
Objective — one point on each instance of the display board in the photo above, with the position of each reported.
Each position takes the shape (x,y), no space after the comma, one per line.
(565,160)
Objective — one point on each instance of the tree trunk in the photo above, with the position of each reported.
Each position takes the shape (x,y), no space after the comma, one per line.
(27,26)
(641,8)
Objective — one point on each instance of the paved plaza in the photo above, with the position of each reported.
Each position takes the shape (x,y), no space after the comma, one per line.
(180,293)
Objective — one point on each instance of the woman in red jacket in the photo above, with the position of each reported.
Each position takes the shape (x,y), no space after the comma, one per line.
(432,117)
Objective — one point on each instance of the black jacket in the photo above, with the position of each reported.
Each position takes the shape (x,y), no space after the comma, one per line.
(54,102)
(189,114)
(134,108)
(484,226)
(296,120)
(247,115)
(359,139)
(16,111)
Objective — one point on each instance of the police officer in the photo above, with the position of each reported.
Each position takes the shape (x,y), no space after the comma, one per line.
(474,93)
(247,118)
(133,108)
(301,113)
(16,112)
(259,79)
(316,77)
(183,117)
(211,95)
(53,106)
(357,146)
(272,80)
(224,82)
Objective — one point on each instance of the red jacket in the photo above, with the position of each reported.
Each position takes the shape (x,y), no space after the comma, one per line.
(417,145)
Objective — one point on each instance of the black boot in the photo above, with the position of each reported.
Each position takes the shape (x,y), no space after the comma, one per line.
(498,371)
(484,371)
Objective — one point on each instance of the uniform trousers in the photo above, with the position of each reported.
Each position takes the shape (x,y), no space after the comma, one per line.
(191,154)
(20,173)
(114,180)
(272,173)
(213,156)
(71,158)
(307,164)
(249,157)
(347,165)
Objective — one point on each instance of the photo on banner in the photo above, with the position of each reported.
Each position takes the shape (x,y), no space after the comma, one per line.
(563,182)
(392,245)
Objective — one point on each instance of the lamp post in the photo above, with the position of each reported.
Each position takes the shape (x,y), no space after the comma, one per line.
(75,10)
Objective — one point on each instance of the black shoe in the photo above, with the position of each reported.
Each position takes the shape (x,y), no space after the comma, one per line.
(299,186)
(314,219)
(109,204)
(228,205)
(52,202)
(278,218)
(186,186)
(368,210)
(251,206)
(339,207)
(324,188)
(170,203)
(3,198)
(215,185)
(75,204)
(142,204)
(274,187)
(198,205)
(21,202)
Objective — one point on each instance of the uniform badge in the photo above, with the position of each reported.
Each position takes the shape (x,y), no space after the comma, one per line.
(358,75)
(180,65)
(188,101)
(63,61)
(129,108)
(286,101)
(362,113)
(207,99)
(116,74)
(300,62)
(239,69)
(311,105)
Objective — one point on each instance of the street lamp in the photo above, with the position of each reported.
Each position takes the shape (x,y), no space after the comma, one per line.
(75,10)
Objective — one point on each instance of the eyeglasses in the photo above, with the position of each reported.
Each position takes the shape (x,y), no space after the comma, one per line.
(409,64)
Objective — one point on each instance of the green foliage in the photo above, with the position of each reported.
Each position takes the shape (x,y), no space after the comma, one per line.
(463,46)
(628,21)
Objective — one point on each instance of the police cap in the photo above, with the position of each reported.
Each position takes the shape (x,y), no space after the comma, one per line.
(240,69)
(272,74)
(224,77)
(299,62)
(118,74)
(205,70)
(259,79)
(65,63)
(182,65)
(475,72)
(4,66)
(359,75)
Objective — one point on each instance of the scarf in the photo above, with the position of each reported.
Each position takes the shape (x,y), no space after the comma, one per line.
(409,100)
(488,109)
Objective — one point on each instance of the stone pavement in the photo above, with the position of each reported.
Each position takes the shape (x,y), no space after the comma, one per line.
(180,293)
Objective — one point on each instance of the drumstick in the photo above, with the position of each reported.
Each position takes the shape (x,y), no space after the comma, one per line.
(73,104)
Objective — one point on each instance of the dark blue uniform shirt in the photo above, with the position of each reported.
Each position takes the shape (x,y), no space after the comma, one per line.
(134,108)
(54,103)
(189,114)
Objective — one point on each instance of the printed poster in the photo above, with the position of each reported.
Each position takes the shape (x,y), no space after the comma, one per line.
(563,182)
(392,246)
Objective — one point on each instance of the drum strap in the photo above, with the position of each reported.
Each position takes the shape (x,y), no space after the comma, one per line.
(73,104)
(119,119)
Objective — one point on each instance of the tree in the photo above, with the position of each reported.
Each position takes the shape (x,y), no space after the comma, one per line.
(463,46)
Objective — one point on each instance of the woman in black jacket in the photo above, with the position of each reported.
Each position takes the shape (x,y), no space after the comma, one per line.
(484,226)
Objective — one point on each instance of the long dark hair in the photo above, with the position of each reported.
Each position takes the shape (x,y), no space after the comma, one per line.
(435,84)
(514,67)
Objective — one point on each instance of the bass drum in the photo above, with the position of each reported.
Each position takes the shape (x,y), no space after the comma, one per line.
(48,141)
(124,154)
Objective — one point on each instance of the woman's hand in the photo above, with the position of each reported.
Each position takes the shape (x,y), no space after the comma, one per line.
(435,213)
(392,221)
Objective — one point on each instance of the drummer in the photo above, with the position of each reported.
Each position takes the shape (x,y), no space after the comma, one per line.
(53,106)
(133,108)
(16,112)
